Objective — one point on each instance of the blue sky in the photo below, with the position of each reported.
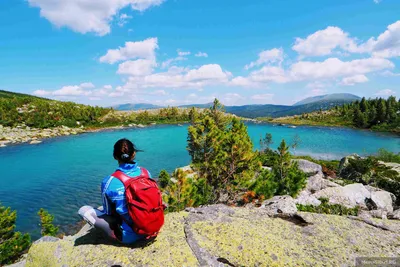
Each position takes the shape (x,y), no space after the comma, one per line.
(171,52)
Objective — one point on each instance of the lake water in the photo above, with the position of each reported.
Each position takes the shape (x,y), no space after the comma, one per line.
(65,173)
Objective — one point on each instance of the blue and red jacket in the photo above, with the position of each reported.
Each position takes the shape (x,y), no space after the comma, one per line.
(114,200)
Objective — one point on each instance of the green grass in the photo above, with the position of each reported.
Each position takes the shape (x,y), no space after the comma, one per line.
(326,208)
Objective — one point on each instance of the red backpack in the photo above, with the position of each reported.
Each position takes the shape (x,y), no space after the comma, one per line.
(144,201)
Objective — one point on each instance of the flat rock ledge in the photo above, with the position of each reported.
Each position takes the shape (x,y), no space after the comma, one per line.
(219,235)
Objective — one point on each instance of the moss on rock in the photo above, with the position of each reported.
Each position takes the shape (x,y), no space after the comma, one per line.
(236,236)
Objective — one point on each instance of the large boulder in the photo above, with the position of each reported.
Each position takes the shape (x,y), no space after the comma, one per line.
(351,195)
(280,204)
(317,182)
(306,198)
(382,200)
(308,167)
(219,235)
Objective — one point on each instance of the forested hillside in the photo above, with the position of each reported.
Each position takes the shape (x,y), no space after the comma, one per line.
(377,114)
(43,113)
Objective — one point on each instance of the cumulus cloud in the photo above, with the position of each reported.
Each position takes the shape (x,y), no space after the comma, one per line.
(385,92)
(132,50)
(205,75)
(86,16)
(84,90)
(335,68)
(139,67)
(352,80)
(386,44)
(274,55)
(201,54)
(323,42)
(270,74)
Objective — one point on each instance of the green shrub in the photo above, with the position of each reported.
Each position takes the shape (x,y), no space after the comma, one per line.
(326,208)
(186,192)
(12,244)
(164,179)
(46,222)
(387,156)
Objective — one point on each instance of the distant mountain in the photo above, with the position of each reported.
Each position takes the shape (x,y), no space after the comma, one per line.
(207,105)
(307,105)
(138,106)
(345,98)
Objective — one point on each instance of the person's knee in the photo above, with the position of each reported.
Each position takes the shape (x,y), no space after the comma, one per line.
(82,211)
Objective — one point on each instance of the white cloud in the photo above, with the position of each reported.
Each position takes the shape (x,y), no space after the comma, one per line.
(270,74)
(85,16)
(377,1)
(244,82)
(139,67)
(159,93)
(87,85)
(386,44)
(335,68)
(262,97)
(323,42)
(107,87)
(170,61)
(352,80)
(205,75)
(388,73)
(123,19)
(385,92)
(183,53)
(274,55)
(132,50)
(201,54)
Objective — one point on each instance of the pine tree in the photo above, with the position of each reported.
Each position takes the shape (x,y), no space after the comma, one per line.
(12,244)
(164,179)
(381,111)
(46,222)
(363,105)
(193,115)
(266,142)
(359,118)
(288,178)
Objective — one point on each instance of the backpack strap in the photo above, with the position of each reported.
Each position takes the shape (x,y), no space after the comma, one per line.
(121,176)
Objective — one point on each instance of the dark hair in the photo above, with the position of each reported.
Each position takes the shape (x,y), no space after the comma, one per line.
(124,150)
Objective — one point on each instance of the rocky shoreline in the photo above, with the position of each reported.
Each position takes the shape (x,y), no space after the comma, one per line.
(25,134)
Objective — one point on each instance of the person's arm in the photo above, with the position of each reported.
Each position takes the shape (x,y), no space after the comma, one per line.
(107,203)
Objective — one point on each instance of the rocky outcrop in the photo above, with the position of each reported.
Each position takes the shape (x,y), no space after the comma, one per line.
(219,235)
(308,167)
(377,201)
(25,134)
(279,204)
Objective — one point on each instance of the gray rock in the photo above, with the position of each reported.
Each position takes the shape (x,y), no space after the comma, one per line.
(46,239)
(305,198)
(266,168)
(279,204)
(35,142)
(351,195)
(392,165)
(382,200)
(308,167)
(395,215)
(317,182)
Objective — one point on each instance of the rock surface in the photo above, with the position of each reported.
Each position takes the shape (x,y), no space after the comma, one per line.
(308,167)
(219,235)
(279,204)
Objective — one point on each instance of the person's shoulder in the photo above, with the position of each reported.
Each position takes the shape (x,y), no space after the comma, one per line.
(142,169)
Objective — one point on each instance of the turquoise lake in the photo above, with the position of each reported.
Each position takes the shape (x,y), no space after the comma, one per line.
(65,173)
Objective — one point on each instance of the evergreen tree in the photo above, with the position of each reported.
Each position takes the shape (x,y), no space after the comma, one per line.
(193,115)
(46,222)
(381,110)
(164,179)
(289,179)
(363,105)
(266,142)
(372,116)
(359,118)
(12,244)
(217,113)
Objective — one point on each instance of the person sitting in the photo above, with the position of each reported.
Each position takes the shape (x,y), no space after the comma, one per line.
(132,203)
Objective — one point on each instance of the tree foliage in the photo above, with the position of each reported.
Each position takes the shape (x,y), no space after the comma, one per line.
(46,223)
(164,179)
(221,149)
(12,244)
